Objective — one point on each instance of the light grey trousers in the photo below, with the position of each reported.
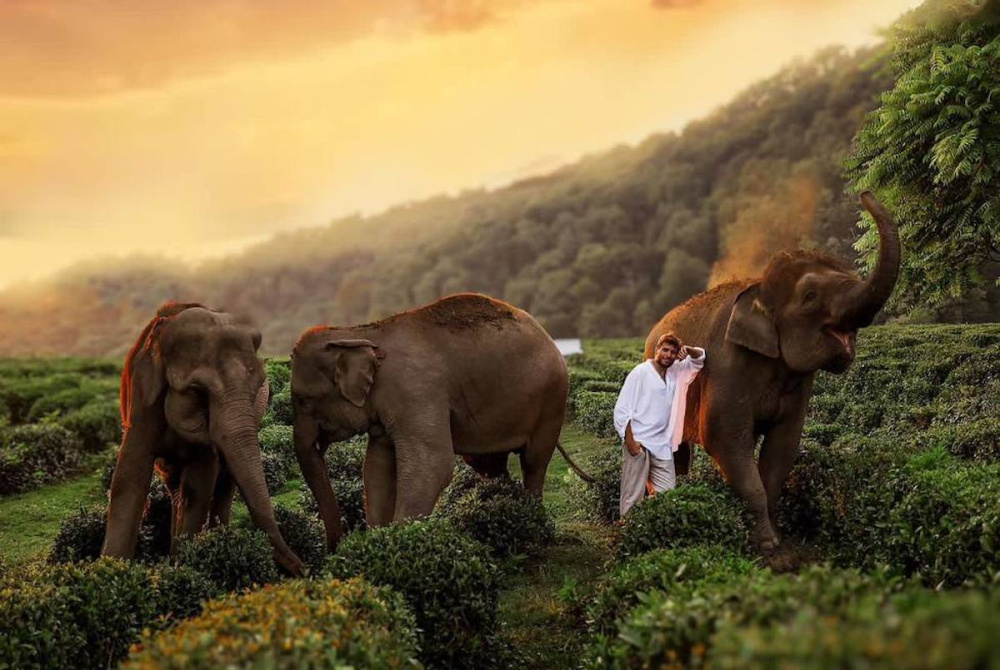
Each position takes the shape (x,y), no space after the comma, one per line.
(641,472)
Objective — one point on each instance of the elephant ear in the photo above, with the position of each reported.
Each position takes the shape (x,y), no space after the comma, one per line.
(356,366)
(751,324)
(143,372)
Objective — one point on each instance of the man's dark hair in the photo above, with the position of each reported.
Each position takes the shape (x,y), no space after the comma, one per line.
(669,338)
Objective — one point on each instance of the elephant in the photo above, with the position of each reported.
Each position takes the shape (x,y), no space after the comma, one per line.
(192,396)
(766,338)
(466,375)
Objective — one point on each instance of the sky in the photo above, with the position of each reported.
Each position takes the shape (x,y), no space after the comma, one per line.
(193,128)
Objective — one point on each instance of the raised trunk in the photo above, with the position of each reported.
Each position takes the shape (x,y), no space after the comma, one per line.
(237,440)
(863,303)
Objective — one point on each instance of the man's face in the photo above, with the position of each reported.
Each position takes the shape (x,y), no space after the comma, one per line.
(666,354)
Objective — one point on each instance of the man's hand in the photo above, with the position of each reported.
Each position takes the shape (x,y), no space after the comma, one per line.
(633,447)
(682,353)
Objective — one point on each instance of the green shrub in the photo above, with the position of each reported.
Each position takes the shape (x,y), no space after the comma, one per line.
(80,536)
(232,558)
(180,592)
(675,571)
(600,501)
(975,441)
(274,472)
(344,464)
(503,516)
(82,615)
(60,403)
(595,412)
(280,410)
(279,375)
(674,629)
(917,629)
(98,424)
(156,518)
(685,516)
(304,534)
(277,441)
(34,455)
(301,624)
(463,480)
(445,576)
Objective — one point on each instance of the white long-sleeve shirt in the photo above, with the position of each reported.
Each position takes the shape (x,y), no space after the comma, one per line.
(656,406)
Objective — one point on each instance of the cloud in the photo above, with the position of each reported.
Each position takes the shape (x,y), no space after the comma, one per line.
(58,48)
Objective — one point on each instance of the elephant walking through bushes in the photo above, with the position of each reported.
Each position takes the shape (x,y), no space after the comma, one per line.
(192,396)
(766,339)
(465,375)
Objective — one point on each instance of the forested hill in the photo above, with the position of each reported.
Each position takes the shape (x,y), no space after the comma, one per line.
(599,248)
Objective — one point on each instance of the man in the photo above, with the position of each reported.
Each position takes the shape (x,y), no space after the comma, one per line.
(649,417)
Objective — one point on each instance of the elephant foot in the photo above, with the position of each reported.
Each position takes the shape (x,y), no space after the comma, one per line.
(765,539)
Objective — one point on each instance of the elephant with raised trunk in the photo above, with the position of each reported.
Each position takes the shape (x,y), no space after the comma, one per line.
(465,375)
(192,396)
(766,339)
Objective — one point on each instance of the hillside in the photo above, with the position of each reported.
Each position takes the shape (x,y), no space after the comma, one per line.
(600,248)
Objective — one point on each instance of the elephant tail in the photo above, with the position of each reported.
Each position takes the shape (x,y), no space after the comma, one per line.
(580,473)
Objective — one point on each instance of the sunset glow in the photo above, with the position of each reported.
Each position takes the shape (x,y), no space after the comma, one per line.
(191,129)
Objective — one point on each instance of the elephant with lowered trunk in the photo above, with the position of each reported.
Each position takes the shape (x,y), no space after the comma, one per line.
(465,375)
(192,396)
(766,339)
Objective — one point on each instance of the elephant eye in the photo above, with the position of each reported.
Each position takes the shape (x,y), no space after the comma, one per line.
(810,296)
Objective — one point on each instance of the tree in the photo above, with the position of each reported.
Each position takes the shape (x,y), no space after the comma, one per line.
(931,150)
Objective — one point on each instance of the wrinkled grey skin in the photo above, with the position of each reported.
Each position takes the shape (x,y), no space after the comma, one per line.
(765,340)
(466,375)
(194,392)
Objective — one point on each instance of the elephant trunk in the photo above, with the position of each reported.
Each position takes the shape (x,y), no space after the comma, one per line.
(865,301)
(239,444)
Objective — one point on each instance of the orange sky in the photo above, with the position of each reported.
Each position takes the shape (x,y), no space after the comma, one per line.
(193,127)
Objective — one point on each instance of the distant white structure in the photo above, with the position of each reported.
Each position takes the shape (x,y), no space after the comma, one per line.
(569,347)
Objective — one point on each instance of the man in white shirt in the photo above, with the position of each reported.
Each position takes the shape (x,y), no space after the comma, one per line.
(649,417)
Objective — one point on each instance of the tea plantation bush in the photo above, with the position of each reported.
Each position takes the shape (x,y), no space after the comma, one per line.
(80,536)
(600,501)
(447,578)
(673,629)
(232,558)
(280,410)
(463,480)
(34,455)
(97,424)
(279,375)
(687,515)
(344,463)
(274,472)
(301,624)
(676,571)
(277,441)
(503,516)
(303,533)
(595,412)
(84,615)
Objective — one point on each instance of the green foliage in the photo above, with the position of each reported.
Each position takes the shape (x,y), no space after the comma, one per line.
(232,558)
(601,500)
(303,534)
(503,516)
(80,536)
(34,455)
(595,412)
(679,572)
(98,424)
(344,463)
(685,516)
(314,624)
(280,410)
(931,150)
(445,576)
(463,480)
(180,592)
(75,616)
(277,440)
(274,472)
(279,375)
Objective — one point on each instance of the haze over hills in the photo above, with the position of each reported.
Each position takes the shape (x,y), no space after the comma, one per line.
(602,247)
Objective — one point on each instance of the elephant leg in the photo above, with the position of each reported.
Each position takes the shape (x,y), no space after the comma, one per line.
(198,481)
(128,493)
(733,450)
(307,452)
(535,458)
(222,499)
(777,456)
(488,465)
(380,481)
(424,464)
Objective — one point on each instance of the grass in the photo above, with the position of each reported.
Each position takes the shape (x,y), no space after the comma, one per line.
(29,521)
(532,607)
